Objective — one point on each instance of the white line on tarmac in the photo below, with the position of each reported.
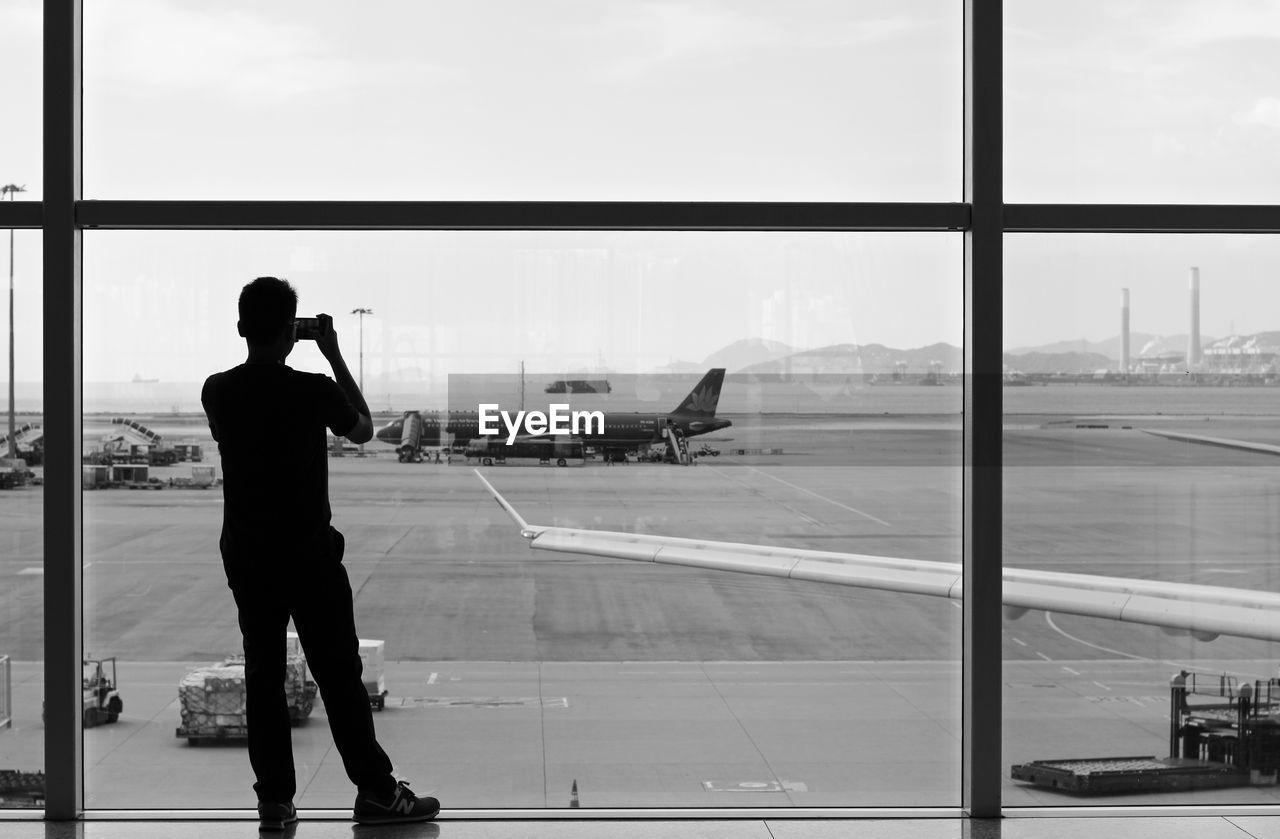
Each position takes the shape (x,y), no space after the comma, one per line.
(1019,642)
(431,680)
(1072,672)
(1042,655)
(1101,685)
(822,497)
(1048,617)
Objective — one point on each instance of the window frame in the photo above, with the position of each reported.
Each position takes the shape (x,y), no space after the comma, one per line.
(63,215)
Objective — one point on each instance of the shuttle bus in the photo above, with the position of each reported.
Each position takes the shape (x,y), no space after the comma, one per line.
(558,449)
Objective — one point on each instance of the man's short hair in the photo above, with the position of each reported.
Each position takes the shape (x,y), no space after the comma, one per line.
(268,306)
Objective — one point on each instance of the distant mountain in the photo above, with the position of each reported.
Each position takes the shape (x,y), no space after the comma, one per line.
(1057,362)
(1140,344)
(745,353)
(678,366)
(1258,339)
(867,359)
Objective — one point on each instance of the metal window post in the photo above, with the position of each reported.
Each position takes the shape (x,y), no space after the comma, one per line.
(64,759)
(983,348)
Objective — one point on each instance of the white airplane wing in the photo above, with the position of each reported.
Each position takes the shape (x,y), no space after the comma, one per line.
(1203,611)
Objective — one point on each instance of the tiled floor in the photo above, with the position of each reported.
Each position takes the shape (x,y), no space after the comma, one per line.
(1133,827)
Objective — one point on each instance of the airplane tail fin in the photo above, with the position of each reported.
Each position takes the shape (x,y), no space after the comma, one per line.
(702,400)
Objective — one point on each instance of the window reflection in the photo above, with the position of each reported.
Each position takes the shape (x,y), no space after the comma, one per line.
(610,101)
(1141,102)
(1161,471)
(519,678)
(21,534)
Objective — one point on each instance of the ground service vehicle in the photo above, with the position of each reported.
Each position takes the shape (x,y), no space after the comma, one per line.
(561,450)
(102,702)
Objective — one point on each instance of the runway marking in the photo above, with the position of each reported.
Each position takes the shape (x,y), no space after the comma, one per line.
(477,701)
(431,680)
(1101,685)
(1072,672)
(33,570)
(1042,655)
(1048,617)
(823,497)
(1019,642)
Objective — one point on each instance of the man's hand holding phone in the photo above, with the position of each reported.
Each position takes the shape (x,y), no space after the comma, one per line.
(319,329)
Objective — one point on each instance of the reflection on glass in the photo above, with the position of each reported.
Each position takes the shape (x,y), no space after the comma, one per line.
(519,678)
(22,65)
(1140,434)
(21,533)
(1141,102)
(811,101)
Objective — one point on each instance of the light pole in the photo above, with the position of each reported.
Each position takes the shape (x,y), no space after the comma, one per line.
(10,189)
(362,313)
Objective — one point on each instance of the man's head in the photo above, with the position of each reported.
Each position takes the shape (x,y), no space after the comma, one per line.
(268,307)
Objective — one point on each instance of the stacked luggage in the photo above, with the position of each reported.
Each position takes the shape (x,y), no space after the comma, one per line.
(212,699)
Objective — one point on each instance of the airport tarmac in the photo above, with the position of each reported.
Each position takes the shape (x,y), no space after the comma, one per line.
(662,686)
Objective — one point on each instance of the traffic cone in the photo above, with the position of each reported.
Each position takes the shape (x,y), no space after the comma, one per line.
(573,794)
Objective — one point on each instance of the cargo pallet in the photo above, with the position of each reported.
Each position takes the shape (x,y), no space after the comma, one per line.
(1221,734)
(222,733)
(1109,775)
(216,712)
(21,789)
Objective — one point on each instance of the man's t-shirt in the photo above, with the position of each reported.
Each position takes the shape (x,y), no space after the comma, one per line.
(269,421)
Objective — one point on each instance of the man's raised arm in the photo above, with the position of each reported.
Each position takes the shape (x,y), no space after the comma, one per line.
(327,342)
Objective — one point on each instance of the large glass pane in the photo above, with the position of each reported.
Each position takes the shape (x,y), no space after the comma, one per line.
(22,121)
(1137,454)
(812,100)
(519,678)
(22,529)
(1144,102)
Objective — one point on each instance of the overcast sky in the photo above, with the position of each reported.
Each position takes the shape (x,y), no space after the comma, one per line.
(1138,101)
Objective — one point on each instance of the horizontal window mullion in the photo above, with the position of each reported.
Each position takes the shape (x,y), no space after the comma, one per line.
(520,215)
(21,215)
(1141,218)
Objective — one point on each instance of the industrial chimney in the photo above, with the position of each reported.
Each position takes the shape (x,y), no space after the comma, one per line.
(1193,339)
(1124,334)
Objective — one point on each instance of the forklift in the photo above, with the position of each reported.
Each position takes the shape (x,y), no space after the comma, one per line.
(100,698)
(102,703)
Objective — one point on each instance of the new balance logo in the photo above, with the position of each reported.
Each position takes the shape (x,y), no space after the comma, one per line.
(403,805)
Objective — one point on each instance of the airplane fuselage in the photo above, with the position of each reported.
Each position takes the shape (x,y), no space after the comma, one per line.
(625,430)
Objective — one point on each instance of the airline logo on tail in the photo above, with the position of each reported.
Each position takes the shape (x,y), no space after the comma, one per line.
(705,395)
(704,401)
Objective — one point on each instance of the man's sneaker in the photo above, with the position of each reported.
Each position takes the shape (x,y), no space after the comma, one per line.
(275,815)
(400,806)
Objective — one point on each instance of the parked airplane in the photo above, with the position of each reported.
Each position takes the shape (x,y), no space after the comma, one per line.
(1203,611)
(622,432)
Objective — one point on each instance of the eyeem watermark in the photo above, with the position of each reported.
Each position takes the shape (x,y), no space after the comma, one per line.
(560,420)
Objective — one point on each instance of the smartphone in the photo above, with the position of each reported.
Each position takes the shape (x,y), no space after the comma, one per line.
(306,329)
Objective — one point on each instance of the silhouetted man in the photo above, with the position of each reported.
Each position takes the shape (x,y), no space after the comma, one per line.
(283,558)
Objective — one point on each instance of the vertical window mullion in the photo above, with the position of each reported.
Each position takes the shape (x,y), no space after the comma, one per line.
(64,779)
(983,339)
